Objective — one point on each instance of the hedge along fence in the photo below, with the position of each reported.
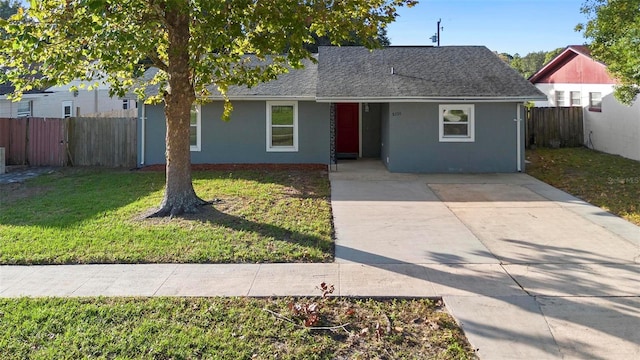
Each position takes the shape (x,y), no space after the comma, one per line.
(109,142)
(554,127)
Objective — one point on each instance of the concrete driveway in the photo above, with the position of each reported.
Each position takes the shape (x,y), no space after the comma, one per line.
(528,270)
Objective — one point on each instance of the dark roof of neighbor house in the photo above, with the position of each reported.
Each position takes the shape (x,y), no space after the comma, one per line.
(568,53)
(419,73)
(8,88)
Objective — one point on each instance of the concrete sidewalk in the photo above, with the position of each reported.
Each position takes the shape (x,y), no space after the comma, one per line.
(529,271)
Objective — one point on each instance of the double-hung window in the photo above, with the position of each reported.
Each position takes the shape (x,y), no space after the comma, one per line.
(560,99)
(456,123)
(595,101)
(195,133)
(575,98)
(282,126)
(24,108)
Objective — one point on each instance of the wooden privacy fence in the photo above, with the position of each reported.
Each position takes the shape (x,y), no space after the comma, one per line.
(554,127)
(34,141)
(109,142)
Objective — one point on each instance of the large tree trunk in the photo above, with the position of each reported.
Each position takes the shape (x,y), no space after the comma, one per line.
(179,196)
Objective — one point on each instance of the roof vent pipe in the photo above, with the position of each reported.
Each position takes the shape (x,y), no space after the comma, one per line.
(392,71)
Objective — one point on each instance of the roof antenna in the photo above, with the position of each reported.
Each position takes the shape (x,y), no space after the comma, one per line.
(436,37)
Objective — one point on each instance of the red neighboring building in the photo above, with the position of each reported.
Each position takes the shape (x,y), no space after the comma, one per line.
(574,78)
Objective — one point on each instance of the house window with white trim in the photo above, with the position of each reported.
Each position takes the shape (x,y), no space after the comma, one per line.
(457,123)
(282,126)
(25,108)
(576,98)
(67,109)
(195,131)
(560,99)
(595,101)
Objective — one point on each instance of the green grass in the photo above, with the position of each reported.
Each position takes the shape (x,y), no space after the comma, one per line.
(94,216)
(608,181)
(225,328)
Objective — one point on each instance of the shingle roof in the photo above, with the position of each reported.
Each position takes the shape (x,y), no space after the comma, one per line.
(8,88)
(449,72)
(420,73)
(296,83)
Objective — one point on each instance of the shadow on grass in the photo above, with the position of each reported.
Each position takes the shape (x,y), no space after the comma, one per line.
(296,183)
(72,195)
(213,217)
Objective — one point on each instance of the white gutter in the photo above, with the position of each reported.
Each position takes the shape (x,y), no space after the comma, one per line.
(264,98)
(143,119)
(427,100)
(518,121)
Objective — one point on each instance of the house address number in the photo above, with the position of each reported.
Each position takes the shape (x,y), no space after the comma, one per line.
(396,113)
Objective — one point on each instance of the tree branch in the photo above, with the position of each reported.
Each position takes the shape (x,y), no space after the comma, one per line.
(282,317)
(153,56)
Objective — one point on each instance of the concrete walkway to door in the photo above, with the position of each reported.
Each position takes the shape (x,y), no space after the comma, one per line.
(529,271)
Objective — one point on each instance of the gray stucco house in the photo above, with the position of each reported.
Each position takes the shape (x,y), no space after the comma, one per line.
(418,109)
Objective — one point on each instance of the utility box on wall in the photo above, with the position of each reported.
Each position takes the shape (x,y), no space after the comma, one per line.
(2,168)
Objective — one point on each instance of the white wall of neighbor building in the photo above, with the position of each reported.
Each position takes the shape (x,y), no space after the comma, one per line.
(85,102)
(614,130)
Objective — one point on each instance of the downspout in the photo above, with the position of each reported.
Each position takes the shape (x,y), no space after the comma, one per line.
(518,121)
(143,119)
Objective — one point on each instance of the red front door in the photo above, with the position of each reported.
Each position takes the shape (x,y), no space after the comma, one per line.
(347,130)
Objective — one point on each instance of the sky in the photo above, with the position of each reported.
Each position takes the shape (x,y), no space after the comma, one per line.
(505,26)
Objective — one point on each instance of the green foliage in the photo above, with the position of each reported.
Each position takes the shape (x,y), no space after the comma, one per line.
(115,40)
(532,62)
(382,40)
(550,55)
(614,30)
(93,216)
(529,64)
(8,8)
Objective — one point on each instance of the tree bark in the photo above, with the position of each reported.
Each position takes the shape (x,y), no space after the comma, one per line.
(179,196)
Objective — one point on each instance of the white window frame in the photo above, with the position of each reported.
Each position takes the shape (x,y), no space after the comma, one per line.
(270,147)
(592,107)
(561,99)
(578,98)
(21,112)
(469,109)
(125,104)
(198,126)
(68,103)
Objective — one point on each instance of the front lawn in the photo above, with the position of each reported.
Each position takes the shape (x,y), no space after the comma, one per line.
(608,181)
(227,328)
(95,216)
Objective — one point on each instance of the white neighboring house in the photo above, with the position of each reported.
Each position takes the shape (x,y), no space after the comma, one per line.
(574,78)
(60,102)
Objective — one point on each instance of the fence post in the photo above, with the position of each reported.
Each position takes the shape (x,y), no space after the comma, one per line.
(2,168)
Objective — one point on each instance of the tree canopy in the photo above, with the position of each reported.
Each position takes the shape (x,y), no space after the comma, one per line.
(614,30)
(532,62)
(193,43)
(8,8)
